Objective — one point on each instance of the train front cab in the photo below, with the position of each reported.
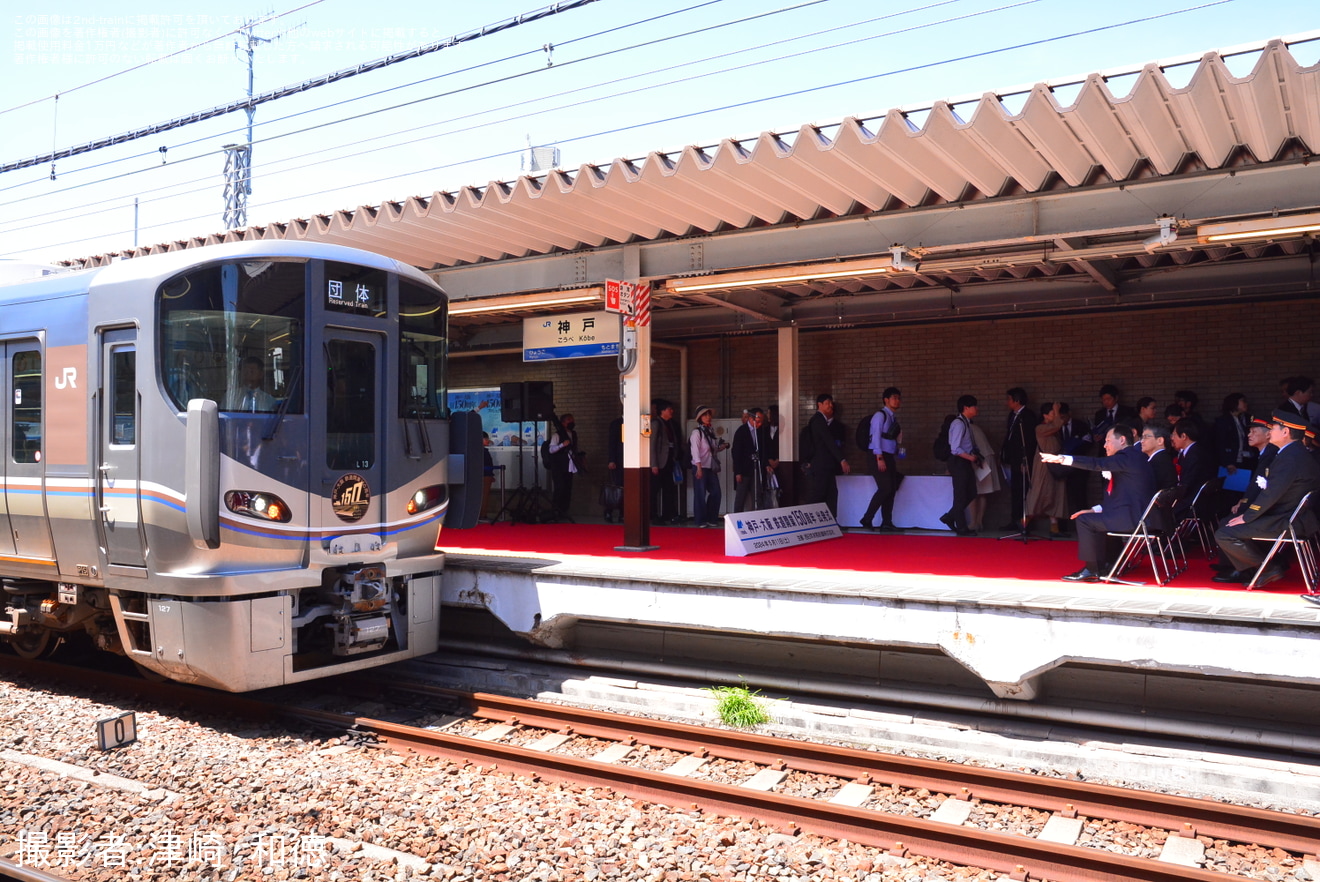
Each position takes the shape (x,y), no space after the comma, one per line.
(283,529)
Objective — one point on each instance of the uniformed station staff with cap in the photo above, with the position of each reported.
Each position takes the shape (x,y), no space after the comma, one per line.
(1291,475)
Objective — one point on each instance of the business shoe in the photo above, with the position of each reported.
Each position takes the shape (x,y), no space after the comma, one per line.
(1273,574)
(947,520)
(965,532)
(1313,598)
(1082,575)
(1222,566)
(1233,577)
(889,528)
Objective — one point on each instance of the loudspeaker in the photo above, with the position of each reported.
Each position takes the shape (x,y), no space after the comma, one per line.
(540,401)
(512,399)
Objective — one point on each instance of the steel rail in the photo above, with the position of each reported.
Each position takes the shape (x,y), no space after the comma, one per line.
(23,873)
(1021,857)
(1291,832)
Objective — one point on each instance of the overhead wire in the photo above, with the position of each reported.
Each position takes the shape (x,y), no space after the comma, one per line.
(469,69)
(269,18)
(340,121)
(715,109)
(298,88)
(625,49)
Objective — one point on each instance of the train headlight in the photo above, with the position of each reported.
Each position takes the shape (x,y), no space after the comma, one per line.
(262,506)
(425,498)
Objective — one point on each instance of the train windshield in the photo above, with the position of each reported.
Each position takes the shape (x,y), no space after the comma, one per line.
(422,352)
(233,333)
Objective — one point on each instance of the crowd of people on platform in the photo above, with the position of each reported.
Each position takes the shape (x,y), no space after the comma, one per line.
(1231,468)
(1192,464)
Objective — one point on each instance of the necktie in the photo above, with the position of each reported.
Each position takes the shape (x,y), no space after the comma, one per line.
(251,404)
(1111,414)
(1177,465)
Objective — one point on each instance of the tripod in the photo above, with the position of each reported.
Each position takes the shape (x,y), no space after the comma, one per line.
(1025,465)
(524,504)
(1023,533)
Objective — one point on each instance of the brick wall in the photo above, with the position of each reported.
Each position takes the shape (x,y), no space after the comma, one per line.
(1212,350)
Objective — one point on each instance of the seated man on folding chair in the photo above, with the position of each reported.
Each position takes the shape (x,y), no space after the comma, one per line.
(1291,475)
(1131,484)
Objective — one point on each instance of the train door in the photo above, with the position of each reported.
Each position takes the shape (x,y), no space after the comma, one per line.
(349,453)
(25,467)
(119,445)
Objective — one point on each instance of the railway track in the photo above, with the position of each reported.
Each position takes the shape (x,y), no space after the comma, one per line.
(592,748)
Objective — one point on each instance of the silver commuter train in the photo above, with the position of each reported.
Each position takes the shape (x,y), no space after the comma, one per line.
(227,463)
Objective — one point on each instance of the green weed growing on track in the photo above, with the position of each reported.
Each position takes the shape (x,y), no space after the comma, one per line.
(739,707)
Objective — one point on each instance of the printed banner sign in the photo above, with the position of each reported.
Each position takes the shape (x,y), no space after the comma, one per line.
(581,335)
(751,532)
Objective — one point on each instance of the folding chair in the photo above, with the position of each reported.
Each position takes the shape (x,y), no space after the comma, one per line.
(1303,546)
(1198,522)
(1148,537)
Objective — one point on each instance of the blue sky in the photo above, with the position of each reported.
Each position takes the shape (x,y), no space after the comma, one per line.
(624,78)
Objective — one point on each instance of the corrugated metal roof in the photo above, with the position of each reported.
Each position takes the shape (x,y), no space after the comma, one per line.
(860,166)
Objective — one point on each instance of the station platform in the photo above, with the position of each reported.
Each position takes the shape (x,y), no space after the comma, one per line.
(993,611)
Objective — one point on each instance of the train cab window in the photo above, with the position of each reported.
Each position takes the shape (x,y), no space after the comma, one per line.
(123,397)
(233,333)
(25,428)
(422,352)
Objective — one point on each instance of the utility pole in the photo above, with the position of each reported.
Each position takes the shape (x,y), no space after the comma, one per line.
(238,157)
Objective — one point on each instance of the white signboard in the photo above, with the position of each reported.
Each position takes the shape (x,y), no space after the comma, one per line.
(751,532)
(580,335)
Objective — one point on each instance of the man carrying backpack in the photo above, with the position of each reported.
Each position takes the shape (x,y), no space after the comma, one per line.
(883,435)
(963,460)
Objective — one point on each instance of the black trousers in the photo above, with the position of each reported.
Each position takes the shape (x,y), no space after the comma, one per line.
(1017,491)
(886,488)
(964,490)
(822,487)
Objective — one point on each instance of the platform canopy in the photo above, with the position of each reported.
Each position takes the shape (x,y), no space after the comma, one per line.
(1136,191)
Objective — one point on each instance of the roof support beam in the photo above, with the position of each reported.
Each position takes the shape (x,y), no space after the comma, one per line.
(1102,274)
(733,304)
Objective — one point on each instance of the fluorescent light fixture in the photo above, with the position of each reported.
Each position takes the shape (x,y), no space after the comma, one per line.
(1261,228)
(780,275)
(516,302)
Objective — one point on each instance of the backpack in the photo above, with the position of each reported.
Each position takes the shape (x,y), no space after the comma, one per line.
(941,447)
(864,433)
(545,452)
(806,444)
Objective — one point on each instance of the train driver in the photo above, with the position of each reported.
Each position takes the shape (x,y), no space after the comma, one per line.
(251,395)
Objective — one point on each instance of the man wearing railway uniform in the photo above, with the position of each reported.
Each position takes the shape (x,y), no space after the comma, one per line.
(1291,475)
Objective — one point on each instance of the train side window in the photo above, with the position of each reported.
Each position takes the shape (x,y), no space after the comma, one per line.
(123,391)
(25,428)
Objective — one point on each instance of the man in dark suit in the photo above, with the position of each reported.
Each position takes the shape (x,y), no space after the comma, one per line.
(1299,391)
(751,462)
(1195,464)
(1155,444)
(1131,485)
(1291,475)
(826,456)
(1112,412)
(1018,451)
(1075,438)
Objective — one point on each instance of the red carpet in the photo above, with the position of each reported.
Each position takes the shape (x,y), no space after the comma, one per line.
(864,552)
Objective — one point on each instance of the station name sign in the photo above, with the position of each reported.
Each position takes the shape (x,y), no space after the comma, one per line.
(580,335)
